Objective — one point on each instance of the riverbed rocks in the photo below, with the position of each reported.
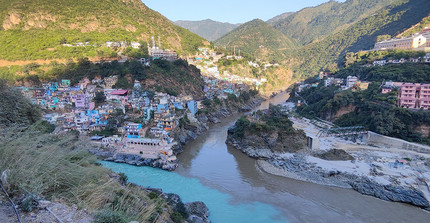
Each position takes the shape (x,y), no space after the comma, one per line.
(296,167)
(390,192)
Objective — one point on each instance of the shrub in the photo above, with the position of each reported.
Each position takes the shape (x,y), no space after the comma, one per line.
(29,203)
(176,217)
(123,179)
(152,195)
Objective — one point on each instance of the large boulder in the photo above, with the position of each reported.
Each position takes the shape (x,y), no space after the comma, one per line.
(198,211)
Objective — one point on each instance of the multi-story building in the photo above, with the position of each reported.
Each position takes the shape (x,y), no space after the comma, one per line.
(133,130)
(424,96)
(406,43)
(413,95)
(407,95)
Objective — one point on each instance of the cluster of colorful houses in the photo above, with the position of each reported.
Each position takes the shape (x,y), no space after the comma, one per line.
(425,59)
(351,82)
(74,108)
(409,95)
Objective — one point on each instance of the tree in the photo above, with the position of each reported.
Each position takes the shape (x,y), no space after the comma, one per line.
(122,83)
(382,37)
(99,98)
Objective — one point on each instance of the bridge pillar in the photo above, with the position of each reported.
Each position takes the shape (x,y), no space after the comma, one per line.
(313,143)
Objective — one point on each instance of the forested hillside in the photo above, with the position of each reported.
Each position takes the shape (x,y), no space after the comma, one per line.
(314,23)
(38,29)
(417,28)
(330,53)
(259,40)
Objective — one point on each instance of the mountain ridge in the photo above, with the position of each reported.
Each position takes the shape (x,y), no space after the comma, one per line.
(258,39)
(314,23)
(208,28)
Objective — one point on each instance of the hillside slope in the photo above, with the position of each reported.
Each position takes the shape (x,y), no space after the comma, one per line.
(280,17)
(330,52)
(258,39)
(314,23)
(416,28)
(37,29)
(208,29)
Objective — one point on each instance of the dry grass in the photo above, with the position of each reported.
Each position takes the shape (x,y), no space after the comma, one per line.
(59,167)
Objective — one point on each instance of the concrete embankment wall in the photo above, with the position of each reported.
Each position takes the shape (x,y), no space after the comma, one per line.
(390,142)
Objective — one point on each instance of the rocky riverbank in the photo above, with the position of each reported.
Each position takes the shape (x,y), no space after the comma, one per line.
(197,211)
(133,159)
(368,170)
(297,168)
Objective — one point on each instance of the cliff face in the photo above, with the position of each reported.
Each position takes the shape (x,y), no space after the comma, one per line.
(266,144)
(272,132)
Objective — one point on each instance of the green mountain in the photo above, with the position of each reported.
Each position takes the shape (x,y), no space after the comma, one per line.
(314,23)
(208,29)
(257,39)
(37,29)
(330,52)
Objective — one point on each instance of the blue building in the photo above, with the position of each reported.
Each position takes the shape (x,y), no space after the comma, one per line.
(192,106)
(133,130)
(162,107)
(178,105)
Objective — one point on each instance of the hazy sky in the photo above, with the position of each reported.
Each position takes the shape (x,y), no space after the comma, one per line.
(232,11)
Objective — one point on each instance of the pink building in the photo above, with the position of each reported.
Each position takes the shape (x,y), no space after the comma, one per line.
(412,95)
(424,96)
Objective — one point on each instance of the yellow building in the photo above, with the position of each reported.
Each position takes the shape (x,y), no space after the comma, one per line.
(407,43)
